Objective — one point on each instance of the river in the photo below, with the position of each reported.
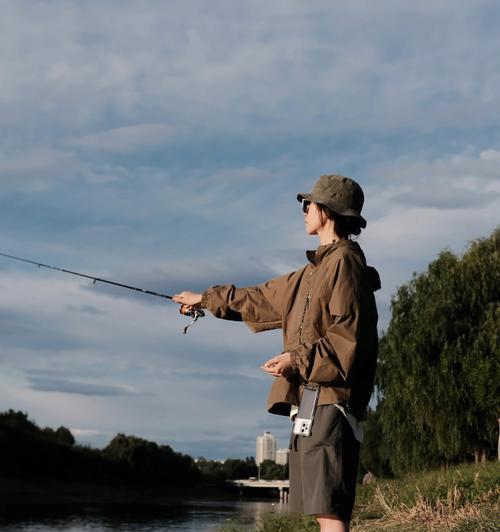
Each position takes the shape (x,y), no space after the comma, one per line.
(189,516)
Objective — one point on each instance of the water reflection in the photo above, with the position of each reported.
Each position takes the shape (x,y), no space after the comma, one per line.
(187,516)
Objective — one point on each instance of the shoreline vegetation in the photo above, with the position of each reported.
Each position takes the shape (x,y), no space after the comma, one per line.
(15,492)
(43,466)
(459,498)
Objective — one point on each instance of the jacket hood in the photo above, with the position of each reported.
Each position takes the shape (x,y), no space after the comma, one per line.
(373,278)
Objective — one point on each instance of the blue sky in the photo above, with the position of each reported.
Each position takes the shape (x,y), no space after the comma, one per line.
(162,144)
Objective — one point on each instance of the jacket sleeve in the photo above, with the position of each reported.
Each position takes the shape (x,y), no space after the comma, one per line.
(260,307)
(331,357)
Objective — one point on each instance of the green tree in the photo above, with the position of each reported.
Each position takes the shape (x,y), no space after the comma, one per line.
(64,436)
(17,420)
(150,463)
(270,470)
(439,363)
(371,458)
(237,469)
(230,469)
(212,470)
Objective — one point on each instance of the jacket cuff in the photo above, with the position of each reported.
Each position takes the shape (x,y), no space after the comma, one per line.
(205,299)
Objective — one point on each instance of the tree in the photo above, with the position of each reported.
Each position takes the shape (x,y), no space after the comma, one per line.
(31,452)
(439,361)
(147,462)
(64,436)
(270,470)
(230,469)
(237,469)
(371,458)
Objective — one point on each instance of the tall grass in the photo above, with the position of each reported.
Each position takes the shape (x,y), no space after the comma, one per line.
(443,499)
(461,498)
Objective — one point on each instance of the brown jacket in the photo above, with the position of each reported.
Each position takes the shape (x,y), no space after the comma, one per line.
(329,319)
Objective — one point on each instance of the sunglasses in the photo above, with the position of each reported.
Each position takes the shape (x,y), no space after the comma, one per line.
(305,206)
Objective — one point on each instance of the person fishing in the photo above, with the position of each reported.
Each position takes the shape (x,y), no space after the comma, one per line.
(328,315)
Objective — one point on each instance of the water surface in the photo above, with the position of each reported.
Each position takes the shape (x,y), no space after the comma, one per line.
(189,516)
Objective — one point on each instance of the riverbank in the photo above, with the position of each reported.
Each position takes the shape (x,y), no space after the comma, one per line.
(43,493)
(462,498)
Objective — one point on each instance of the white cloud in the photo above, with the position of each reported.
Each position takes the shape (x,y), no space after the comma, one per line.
(247,67)
(130,138)
(461,169)
(83,433)
(35,170)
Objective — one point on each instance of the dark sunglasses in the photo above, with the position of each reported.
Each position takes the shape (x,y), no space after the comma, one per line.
(305,206)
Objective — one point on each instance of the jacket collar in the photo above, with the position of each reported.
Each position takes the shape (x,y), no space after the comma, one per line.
(315,257)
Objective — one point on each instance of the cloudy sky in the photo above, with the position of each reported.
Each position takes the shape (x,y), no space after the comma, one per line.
(162,144)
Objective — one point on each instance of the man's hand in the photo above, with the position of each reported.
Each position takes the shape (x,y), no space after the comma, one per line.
(279,365)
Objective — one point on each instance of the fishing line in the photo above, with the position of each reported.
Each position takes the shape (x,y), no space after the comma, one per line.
(185,310)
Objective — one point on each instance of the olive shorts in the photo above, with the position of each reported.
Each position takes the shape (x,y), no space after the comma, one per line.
(323,466)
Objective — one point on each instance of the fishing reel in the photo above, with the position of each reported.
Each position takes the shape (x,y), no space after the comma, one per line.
(192,312)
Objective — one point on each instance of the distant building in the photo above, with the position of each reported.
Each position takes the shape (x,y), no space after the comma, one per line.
(266,448)
(282,456)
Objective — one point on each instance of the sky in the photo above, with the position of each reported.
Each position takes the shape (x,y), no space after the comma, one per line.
(162,144)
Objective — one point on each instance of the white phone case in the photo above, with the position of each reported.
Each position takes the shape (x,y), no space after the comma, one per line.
(302,425)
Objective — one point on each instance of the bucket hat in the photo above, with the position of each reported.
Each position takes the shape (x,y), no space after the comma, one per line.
(340,194)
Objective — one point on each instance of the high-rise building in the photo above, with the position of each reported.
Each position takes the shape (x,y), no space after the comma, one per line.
(282,456)
(266,448)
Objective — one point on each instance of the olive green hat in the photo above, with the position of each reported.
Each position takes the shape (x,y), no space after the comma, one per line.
(340,194)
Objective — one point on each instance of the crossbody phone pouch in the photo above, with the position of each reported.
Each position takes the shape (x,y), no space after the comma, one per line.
(303,421)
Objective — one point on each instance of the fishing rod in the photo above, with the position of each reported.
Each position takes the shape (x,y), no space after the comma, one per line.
(193,312)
